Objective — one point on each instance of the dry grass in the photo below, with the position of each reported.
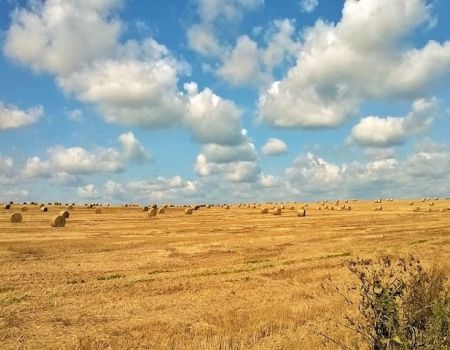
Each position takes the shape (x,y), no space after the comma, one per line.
(216,279)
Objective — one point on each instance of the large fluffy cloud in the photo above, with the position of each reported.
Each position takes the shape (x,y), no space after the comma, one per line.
(11,117)
(340,66)
(58,36)
(247,63)
(386,132)
(136,87)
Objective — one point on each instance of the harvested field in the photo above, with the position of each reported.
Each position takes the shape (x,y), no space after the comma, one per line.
(216,279)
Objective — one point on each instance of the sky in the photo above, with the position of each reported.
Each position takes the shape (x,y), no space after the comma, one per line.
(218,101)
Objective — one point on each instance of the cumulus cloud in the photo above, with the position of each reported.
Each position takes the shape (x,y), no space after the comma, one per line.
(161,188)
(202,37)
(59,36)
(88,192)
(212,119)
(330,79)
(132,149)
(313,177)
(248,64)
(386,132)
(308,5)
(11,117)
(274,147)
(74,160)
(138,87)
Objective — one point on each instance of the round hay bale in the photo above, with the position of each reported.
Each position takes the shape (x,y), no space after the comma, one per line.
(301,212)
(189,211)
(332,208)
(16,217)
(161,210)
(145,209)
(64,213)
(7,206)
(98,210)
(44,209)
(152,212)
(227,207)
(24,209)
(70,207)
(416,209)
(432,204)
(58,221)
(197,207)
(277,211)
(411,203)
(264,210)
(319,208)
(349,208)
(378,208)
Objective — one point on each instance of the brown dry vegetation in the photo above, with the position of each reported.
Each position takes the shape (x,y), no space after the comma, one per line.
(217,279)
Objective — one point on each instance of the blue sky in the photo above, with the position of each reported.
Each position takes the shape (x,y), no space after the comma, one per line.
(223,100)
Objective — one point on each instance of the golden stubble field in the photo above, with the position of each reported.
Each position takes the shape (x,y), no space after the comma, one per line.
(217,279)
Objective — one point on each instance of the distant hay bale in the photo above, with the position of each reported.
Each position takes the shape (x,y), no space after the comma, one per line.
(152,212)
(16,218)
(301,212)
(98,210)
(24,209)
(378,208)
(58,221)
(161,210)
(188,211)
(145,209)
(197,207)
(64,213)
(277,211)
(432,204)
(319,208)
(332,208)
(416,209)
(443,210)
(292,208)
(411,203)
(227,207)
(349,208)
(70,207)
(44,209)
(264,210)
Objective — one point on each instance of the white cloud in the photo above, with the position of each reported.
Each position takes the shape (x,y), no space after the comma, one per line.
(162,189)
(12,117)
(60,36)
(308,5)
(386,132)
(248,64)
(212,119)
(6,165)
(314,175)
(132,149)
(74,161)
(202,39)
(113,190)
(274,147)
(136,88)
(270,181)
(331,78)
(315,178)
(88,192)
